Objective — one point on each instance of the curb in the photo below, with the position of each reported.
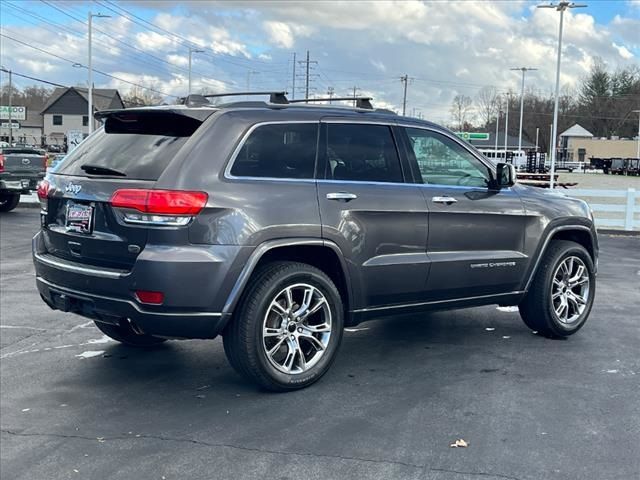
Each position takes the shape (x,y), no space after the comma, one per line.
(619,233)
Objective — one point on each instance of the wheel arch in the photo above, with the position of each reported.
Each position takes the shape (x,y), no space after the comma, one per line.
(580,234)
(322,254)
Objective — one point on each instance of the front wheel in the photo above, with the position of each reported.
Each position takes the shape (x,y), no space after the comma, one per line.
(9,201)
(125,334)
(288,328)
(561,295)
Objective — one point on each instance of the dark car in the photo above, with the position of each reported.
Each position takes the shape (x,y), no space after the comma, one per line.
(276,225)
(21,168)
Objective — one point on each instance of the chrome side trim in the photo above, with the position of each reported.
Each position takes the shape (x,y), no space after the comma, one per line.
(397,259)
(436,302)
(129,302)
(74,268)
(544,248)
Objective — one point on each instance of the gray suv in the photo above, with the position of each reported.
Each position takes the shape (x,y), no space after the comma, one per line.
(276,225)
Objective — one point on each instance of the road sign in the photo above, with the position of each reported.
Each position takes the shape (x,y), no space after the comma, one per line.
(474,135)
(17,113)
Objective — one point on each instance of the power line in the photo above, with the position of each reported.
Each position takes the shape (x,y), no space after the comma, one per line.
(84,66)
(184,41)
(32,78)
(130,46)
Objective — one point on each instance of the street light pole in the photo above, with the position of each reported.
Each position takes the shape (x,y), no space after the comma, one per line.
(633,111)
(90,86)
(191,52)
(523,70)
(560,7)
(497,126)
(506,127)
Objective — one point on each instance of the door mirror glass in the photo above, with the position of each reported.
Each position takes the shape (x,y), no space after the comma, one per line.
(505,175)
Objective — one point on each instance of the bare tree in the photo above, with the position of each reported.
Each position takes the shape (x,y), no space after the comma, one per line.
(138,97)
(461,107)
(487,104)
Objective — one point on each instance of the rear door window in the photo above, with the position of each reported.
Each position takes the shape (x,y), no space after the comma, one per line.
(361,152)
(278,151)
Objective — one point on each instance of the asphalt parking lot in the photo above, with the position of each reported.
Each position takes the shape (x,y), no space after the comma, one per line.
(75,405)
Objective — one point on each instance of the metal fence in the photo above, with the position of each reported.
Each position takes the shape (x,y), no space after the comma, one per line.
(624,205)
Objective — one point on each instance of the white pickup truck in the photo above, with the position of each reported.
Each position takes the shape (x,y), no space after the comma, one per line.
(21,169)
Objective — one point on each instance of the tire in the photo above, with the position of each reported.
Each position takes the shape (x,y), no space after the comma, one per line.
(126,335)
(265,306)
(9,201)
(551,288)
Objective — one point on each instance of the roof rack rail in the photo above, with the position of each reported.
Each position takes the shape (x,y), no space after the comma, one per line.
(361,102)
(274,97)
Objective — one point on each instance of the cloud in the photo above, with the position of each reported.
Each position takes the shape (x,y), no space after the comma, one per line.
(624,53)
(449,51)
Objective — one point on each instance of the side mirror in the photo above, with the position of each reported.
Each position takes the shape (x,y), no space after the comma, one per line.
(505,175)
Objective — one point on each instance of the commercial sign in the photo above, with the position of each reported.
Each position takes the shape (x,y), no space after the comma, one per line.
(14,125)
(74,137)
(17,112)
(473,135)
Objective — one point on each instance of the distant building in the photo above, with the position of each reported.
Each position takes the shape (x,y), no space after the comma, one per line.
(579,145)
(27,131)
(67,110)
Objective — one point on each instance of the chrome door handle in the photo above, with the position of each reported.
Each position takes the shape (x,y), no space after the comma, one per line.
(445,200)
(346,196)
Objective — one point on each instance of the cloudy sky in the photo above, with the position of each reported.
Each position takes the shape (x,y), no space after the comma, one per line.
(446,48)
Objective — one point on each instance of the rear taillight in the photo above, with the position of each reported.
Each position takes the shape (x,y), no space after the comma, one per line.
(159,207)
(1,163)
(43,189)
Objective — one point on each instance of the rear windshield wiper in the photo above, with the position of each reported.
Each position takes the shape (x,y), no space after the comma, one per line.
(98,170)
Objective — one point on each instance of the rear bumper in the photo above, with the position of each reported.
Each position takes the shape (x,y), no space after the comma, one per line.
(195,280)
(20,183)
(113,310)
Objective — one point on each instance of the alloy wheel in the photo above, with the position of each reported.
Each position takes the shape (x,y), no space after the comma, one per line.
(296,328)
(570,290)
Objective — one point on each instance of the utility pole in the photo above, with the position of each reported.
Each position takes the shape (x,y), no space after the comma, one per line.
(307,75)
(523,70)
(330,92)
(355,90)
(249,73)
(560,7)
(90,89)
(293,78)
(405,80)
(191,52)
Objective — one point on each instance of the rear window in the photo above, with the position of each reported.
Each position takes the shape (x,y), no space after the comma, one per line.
(139,146)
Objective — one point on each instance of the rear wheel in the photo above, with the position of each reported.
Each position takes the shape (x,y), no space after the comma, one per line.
(288,328)
(561,295)
(9,201)
(125,334)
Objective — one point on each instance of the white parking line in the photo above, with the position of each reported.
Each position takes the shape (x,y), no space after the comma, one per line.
(18,327)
